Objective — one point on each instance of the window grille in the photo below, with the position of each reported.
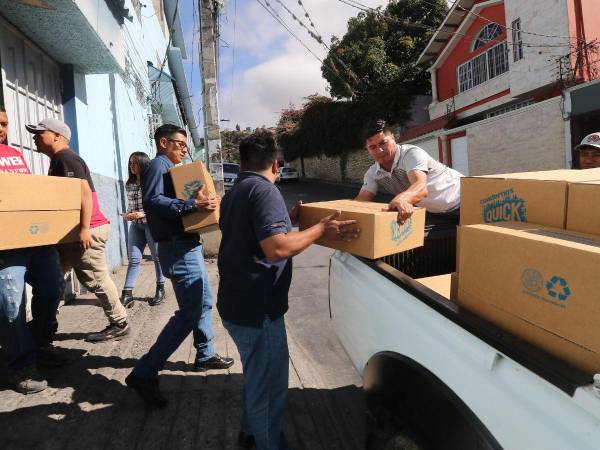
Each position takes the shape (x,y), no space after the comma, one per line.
(490,64)
(517,40)
(488,33)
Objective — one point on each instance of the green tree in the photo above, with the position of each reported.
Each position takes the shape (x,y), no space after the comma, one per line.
(230,141)
(374,63)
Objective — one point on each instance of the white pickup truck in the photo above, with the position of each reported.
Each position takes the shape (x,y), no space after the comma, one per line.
(438,377)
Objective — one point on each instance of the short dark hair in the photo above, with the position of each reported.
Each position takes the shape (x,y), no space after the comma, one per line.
(258,151)
(167,130)
(376,126)
(2,109)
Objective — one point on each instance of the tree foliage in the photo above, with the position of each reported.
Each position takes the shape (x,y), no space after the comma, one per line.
(230,141)
(376,58)
(372,73)
(320,127)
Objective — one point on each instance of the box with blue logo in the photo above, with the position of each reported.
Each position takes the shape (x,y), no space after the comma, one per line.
(188,179)
(534,197)
(538,283)
(380,234)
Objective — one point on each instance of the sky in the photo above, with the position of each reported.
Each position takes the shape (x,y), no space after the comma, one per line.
(262,68)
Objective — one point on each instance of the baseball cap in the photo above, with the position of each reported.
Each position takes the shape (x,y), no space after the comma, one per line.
(51,124)
(591,140)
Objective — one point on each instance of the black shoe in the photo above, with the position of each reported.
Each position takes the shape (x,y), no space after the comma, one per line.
(159,296)
(216,362)
(127,298)
(113,331)
(26,380)
(147,389)
(246,440)
(49,356)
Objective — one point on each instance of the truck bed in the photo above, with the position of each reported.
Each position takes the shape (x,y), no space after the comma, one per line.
(522,395)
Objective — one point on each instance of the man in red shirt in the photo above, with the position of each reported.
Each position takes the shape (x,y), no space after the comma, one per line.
(25,346)
(88,256)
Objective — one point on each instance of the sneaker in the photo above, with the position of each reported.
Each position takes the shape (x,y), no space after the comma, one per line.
(49,356)
(112,332)
(26,380)
(214,363)
(147,388)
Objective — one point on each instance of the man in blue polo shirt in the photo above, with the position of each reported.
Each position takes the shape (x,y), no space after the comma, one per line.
(182,261)
(255,267)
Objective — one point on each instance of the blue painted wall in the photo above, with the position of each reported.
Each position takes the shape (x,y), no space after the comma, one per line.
(110,115)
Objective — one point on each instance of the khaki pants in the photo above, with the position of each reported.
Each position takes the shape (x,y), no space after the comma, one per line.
(91,270)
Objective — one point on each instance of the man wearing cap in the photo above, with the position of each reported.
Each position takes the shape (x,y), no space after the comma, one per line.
(25,346)
(88,256)
(589,151)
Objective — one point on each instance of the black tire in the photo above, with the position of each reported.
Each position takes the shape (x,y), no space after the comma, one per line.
(385,433)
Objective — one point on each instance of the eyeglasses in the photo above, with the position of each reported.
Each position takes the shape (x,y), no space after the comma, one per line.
(178,143)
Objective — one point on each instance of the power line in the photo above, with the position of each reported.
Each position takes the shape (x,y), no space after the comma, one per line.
(334,70)
(350,3)
(278,18)
(468,11)
(317,37)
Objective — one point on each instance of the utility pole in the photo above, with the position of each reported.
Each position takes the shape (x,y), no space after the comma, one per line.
(208,56)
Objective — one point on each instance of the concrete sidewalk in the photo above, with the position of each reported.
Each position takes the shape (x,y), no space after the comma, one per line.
(89,407)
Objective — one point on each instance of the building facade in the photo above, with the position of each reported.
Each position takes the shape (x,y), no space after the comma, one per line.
(499,72)
(110,70)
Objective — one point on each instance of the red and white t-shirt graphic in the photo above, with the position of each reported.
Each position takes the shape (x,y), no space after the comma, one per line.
(11,160)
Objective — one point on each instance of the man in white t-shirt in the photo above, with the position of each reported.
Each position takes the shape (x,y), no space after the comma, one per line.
(411,175)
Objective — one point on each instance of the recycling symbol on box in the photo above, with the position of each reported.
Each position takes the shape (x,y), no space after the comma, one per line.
(558,288)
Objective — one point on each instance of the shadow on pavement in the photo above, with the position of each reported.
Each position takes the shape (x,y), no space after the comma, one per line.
(203,413)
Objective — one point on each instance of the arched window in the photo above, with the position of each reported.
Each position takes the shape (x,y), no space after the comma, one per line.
(489,32)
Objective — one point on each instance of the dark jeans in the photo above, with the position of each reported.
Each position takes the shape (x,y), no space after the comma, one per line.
(265,363)
(40,268)
(182,261)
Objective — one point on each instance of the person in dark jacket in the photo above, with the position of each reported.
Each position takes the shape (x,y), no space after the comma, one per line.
(182,261)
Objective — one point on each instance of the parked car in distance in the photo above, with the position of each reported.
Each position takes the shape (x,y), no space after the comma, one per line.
(230,173)
(287,174)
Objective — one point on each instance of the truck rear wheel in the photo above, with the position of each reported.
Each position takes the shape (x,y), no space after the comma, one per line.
(409,408)
(385,432)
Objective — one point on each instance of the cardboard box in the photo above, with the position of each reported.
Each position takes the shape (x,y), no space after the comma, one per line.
(439,284)
(381,234)
(188,179)
(534,197)
(38,210)
(538,283)
(583,207)
(454,286)
(446,285)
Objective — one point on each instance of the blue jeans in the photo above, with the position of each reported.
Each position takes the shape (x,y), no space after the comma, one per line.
(139,236)
(182,262)
(265,358)
(40,268)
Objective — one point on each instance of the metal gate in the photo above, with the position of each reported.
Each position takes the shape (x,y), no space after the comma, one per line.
(30,91)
